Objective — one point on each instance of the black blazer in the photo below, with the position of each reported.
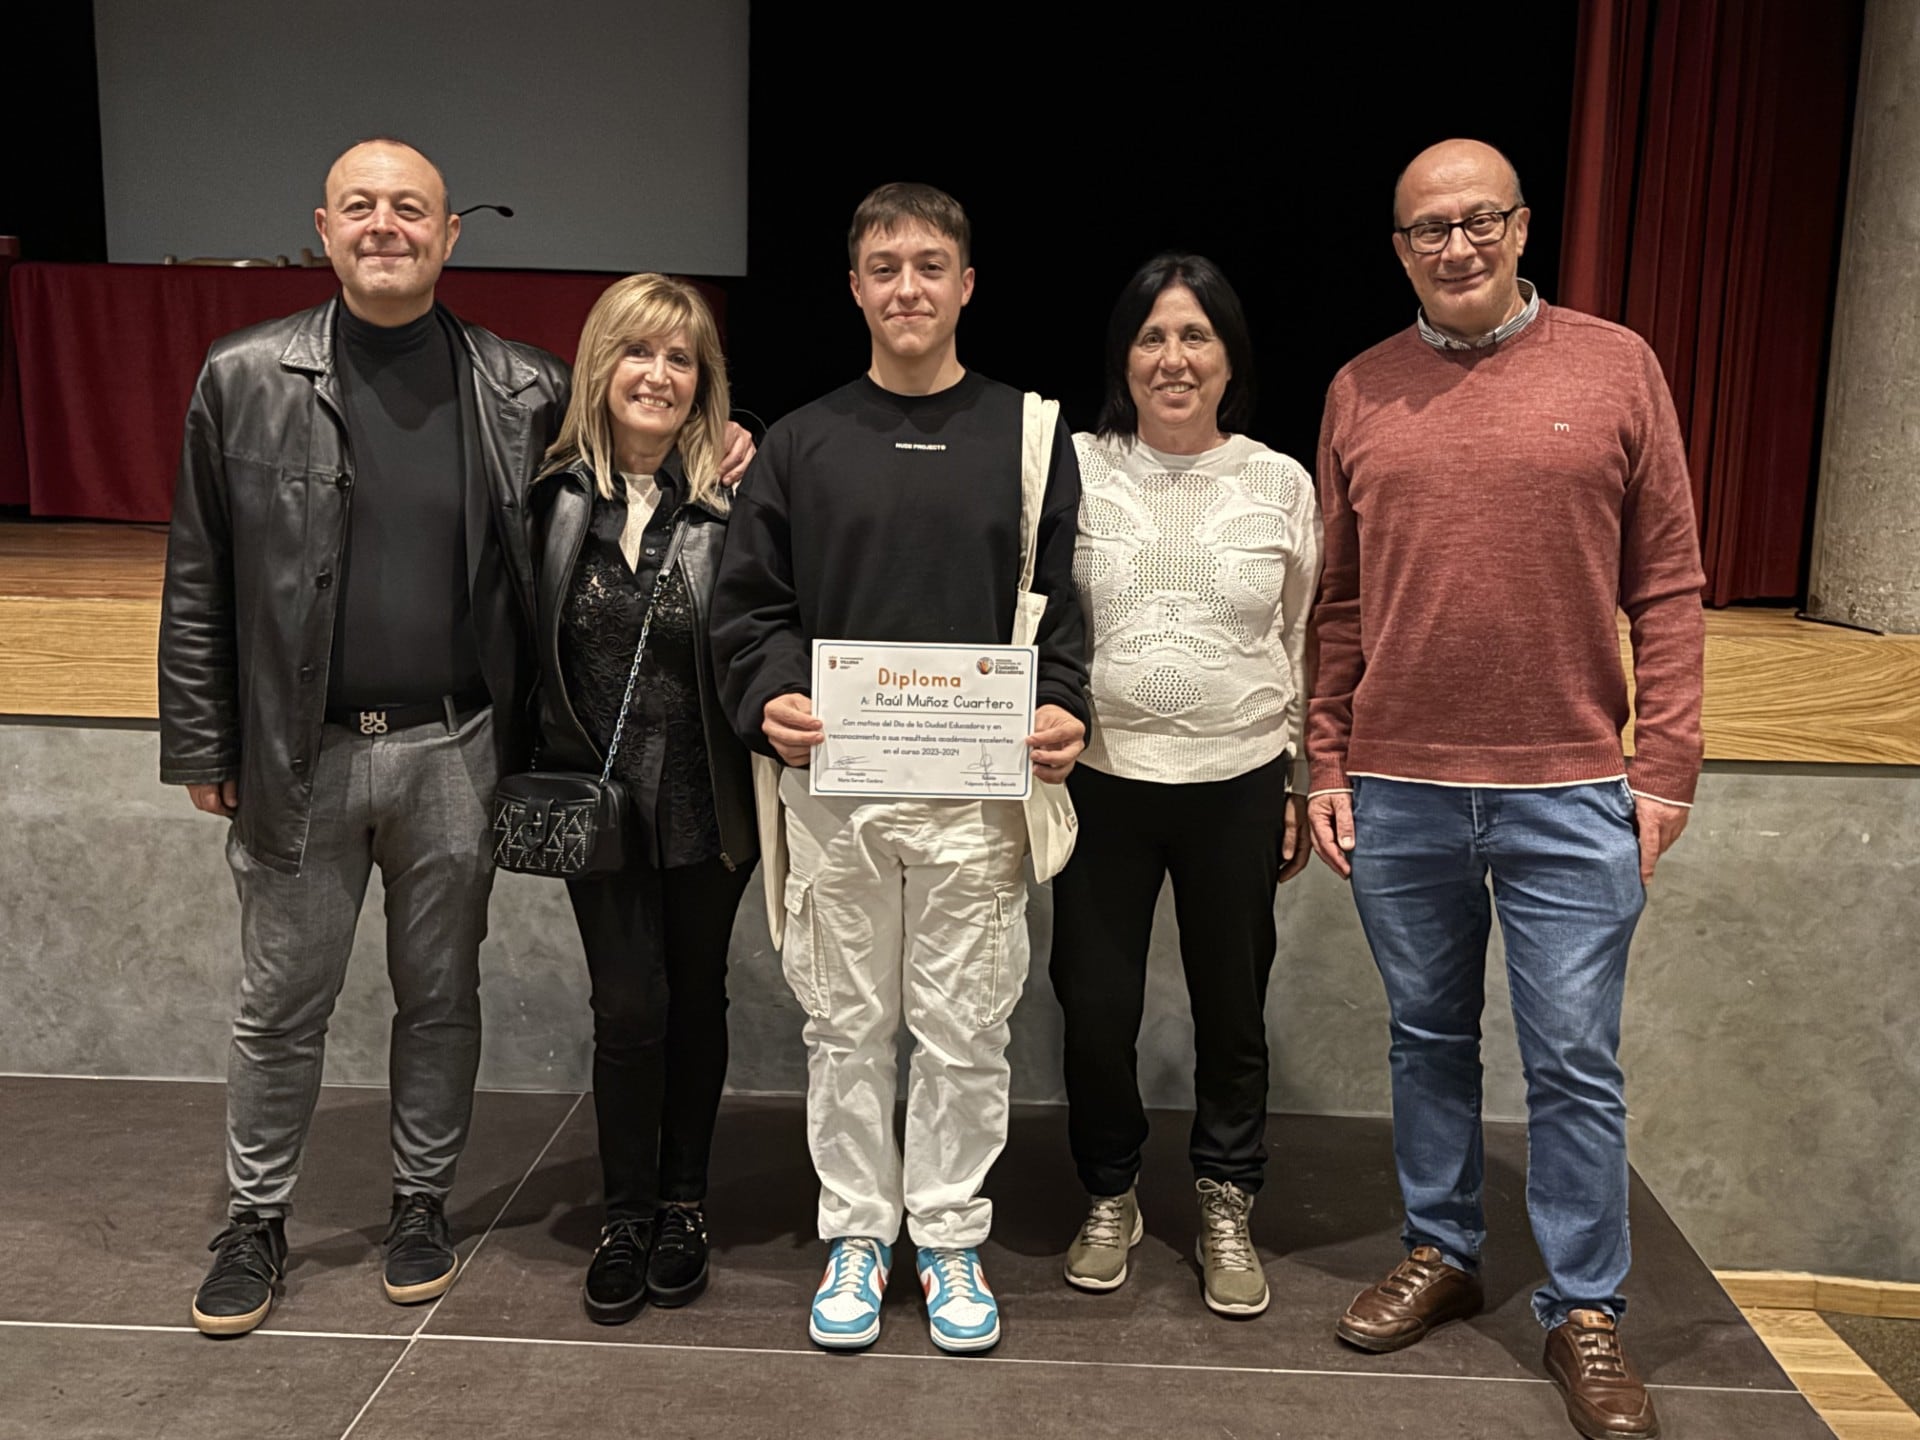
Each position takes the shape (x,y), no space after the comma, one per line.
(561,507)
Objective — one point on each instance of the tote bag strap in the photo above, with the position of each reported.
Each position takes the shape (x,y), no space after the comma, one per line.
(1038,419)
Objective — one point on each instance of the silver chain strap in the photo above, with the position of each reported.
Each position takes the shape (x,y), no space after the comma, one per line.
(646,624)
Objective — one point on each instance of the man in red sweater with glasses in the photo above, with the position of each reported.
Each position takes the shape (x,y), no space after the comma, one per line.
(1495,481)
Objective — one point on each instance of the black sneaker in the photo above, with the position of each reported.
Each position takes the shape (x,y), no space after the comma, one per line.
(420,1261)
(678,1271)
(249,1259)
(616,1285)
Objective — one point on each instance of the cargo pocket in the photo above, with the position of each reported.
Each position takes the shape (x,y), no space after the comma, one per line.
(1003,971)
(800,957)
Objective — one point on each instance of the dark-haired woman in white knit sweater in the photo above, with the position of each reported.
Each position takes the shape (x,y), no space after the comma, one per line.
(1198,554)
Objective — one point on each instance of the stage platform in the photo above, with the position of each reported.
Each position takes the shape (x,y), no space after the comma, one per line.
(112,1187)
(80,617)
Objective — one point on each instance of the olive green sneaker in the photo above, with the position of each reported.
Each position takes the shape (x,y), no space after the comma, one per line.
(1097,1259)
(1235,1282)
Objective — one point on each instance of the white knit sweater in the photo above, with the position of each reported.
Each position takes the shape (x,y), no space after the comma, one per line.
(1196,573)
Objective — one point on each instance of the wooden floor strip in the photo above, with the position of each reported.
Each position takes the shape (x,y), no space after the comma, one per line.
(1839,1294)
(1854,1401)
(80,610)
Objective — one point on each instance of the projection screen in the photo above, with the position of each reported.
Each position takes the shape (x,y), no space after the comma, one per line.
(616,130)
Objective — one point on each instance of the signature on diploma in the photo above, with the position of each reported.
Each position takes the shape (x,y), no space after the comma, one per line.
(849,762)
(984,768)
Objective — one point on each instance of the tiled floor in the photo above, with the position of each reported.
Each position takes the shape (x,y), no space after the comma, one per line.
(109,1188)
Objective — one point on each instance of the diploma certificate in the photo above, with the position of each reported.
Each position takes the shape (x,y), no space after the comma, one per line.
(923,721)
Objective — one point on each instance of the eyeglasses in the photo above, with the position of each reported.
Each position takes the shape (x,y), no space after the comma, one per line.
(1430,237)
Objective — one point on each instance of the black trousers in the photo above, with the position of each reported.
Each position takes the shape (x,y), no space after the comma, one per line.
(656,943)
(1220,841)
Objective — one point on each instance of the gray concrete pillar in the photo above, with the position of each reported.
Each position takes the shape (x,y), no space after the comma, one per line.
(1866,531)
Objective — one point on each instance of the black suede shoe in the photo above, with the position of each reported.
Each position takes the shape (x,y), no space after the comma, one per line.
(678,1271)
(616,1285)
(420,1262)
(249,1259)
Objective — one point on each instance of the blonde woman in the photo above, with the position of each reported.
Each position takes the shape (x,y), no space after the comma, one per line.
(628,521)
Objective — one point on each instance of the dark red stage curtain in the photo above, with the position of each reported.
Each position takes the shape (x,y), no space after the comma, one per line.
(1705,180)
(13,440)
(108,355)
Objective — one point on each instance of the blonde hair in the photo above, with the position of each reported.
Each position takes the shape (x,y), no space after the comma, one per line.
(646,307)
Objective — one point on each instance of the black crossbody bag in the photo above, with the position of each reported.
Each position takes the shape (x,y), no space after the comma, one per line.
(564,823)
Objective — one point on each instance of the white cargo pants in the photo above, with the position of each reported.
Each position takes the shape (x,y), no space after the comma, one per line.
(915,909)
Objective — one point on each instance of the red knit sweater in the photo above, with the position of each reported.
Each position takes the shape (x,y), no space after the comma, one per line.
(1486,511)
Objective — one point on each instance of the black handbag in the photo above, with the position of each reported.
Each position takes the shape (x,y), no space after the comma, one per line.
(564,823)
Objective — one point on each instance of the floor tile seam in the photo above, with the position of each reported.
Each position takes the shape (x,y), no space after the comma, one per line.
(573,1090)
(219,1080)
(505,1206)
(652,1345)
(125,1079)
(659,1345)
(731,1094)
(392,1370)
(812,1354)
(395,1339)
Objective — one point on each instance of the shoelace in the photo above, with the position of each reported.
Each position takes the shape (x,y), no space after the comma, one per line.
(1224,1208)
(856,1258)
(677,1227)
(418,1214)
(1409,1278)
(620,1243)
(955,1273)
(1599,1350)
(1103,1221)
(243,1245)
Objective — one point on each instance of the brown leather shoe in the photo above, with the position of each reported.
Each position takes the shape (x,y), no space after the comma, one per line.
(1605,1399)
(1422,1294)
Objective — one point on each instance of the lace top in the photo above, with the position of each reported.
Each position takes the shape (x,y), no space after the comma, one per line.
(663,751)
(1196,573)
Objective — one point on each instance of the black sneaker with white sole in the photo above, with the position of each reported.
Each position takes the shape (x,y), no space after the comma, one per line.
(249,1263)
(420,1262)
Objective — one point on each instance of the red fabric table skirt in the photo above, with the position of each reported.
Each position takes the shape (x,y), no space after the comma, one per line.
(102,360)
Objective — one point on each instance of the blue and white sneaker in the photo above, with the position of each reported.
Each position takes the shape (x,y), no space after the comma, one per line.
(961,1311)
(846,1307)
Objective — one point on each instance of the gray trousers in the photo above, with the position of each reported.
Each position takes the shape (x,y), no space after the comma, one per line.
(413,802)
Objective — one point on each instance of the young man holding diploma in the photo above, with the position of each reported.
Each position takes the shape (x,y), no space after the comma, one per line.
(889,511)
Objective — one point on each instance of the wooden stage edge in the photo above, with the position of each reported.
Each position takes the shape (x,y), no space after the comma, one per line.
(1782,1307)
(80,613)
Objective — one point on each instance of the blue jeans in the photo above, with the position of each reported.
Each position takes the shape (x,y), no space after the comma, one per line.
(1565,866)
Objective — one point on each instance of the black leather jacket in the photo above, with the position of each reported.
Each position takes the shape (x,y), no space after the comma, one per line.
(562,508)
(259,519)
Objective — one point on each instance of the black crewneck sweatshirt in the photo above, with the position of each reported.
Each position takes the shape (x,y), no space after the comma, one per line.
(403,627)
(869,515)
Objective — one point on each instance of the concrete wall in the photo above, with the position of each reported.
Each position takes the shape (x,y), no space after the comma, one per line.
(1865,567)
(1773,1026)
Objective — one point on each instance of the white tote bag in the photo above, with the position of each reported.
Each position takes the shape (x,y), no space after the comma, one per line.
(1051,824)
(772,818)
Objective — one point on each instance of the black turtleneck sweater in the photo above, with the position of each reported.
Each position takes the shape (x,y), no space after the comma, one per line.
(403,628)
